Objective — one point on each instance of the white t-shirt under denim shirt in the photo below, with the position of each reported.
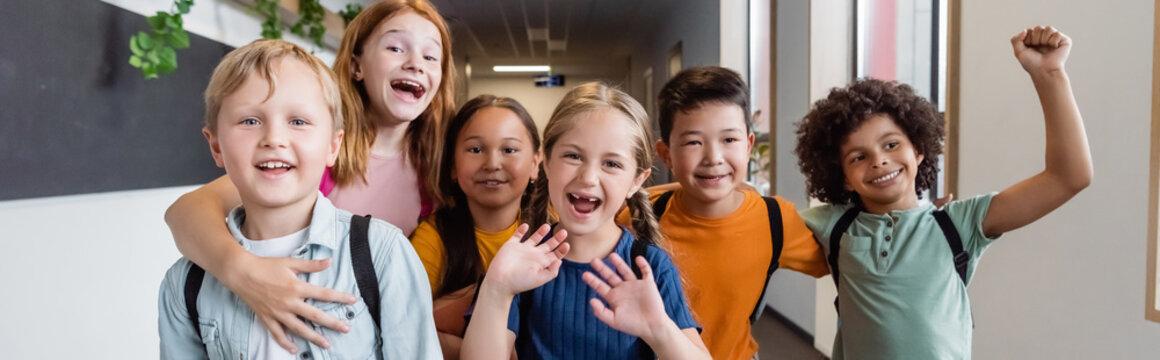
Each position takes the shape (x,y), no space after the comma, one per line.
(225,322)
(262,342)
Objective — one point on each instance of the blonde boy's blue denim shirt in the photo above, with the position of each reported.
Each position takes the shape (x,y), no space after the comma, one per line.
(408,329)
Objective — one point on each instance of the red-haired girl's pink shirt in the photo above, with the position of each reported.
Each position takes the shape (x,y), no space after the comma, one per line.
(391,193)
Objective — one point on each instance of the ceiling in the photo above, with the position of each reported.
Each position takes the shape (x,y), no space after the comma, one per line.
(585,38)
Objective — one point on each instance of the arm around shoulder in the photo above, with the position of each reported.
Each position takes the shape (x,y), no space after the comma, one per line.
(197,222)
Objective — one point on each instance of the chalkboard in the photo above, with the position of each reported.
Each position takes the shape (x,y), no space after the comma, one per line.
(75,117)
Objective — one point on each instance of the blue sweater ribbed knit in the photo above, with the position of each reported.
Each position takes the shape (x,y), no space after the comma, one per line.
(562,325)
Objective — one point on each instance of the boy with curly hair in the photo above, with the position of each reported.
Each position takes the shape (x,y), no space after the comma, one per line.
(869,150)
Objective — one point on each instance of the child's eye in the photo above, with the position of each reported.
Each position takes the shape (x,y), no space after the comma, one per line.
(431,58)
(692,143)
(298,122)
(731,140)
(249,121)
(857,158)
(891,145)
(474,150)
(571,155)
(510,150)
(394,49)
(613,164)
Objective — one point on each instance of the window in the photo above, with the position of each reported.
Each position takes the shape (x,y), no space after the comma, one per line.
(907,41)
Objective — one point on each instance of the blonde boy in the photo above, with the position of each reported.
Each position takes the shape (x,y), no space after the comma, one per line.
(273,121)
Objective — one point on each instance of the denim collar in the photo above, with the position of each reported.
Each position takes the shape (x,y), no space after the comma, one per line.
(322,224)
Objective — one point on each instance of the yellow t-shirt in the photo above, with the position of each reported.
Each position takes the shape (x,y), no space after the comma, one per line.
(723,263)
(429,245)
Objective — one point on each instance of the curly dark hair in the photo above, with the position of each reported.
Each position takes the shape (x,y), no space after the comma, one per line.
(831,120)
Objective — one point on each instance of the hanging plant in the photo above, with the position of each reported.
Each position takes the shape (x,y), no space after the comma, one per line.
(272,26)
(349,13)
(309,25)
(156,53)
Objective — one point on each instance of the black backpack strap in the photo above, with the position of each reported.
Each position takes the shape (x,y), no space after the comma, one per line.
(776,238)
(193,280)
(364,266)
(661,203)
(962,258)
(640,248)
(836,244)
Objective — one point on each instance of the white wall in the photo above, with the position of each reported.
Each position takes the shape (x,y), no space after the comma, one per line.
(539,101)
(734,40)
(1070,286)
(831,65)
(81,274)
(791,293)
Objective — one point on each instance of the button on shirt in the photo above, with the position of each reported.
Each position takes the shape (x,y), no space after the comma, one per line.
(224,320)
(900,297)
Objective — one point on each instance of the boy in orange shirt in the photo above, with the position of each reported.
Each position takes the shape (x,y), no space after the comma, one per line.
(717,229)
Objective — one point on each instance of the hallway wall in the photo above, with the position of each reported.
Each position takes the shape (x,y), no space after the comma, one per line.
(1070,286)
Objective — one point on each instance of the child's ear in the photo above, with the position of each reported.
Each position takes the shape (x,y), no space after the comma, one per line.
(355,70)
(335,147)
(537,159)
(215,147)
(918,157)
(638,182)
(751,138)
(663,153)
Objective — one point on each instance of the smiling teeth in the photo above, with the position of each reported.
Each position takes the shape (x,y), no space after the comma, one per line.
(408,83)
(591,200)
(887,177)
(274,165)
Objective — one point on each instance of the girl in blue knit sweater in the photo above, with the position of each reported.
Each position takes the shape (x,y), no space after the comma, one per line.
(579,299)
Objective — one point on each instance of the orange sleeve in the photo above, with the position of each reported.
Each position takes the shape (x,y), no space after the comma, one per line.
(429,246)
(623,218)
(799,251)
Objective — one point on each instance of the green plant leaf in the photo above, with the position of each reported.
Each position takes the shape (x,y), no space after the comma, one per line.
(144,41)
(157,22)
(149,71)
(183,6)
(135,61)
(133,47)
(179,38)
(168,61)
(151,55)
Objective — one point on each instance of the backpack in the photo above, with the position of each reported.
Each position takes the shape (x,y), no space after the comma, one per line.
(776,237)
(961,257)
(360,256)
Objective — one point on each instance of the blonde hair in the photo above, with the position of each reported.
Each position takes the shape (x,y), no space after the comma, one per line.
(583,99)
(260,57)
(422,137)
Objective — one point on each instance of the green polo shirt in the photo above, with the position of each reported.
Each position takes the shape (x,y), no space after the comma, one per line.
(900,295)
